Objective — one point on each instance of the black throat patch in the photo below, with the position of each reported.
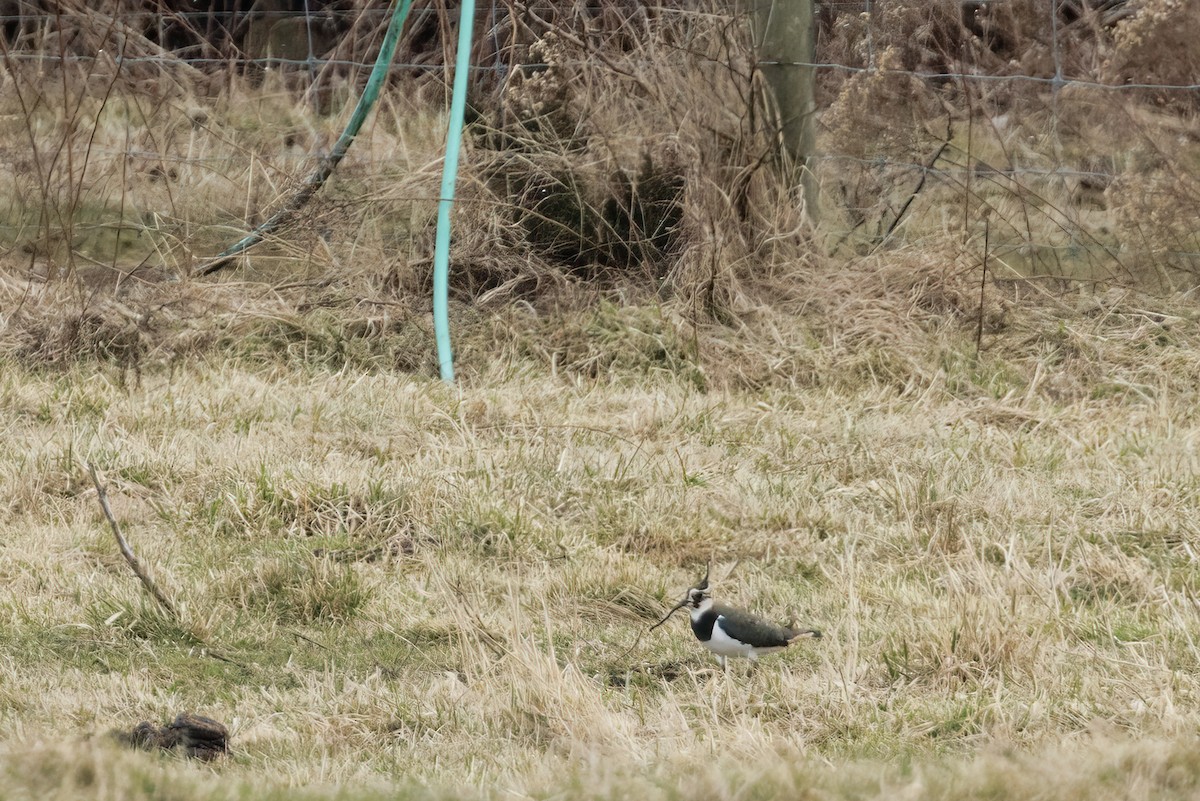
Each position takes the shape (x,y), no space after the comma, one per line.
(704,626)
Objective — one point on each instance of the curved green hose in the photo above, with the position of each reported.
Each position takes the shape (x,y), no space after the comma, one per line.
(315,181)
(441,251)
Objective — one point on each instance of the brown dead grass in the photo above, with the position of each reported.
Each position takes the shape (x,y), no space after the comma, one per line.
(980,486)
(997,548)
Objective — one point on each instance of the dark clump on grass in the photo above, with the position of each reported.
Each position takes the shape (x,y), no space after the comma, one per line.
(192,735)
(593,225)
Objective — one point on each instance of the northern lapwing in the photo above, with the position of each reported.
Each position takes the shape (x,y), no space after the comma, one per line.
(729,631)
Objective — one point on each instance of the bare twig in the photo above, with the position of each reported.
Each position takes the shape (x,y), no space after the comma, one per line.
(155,592)
(927,168)
(147,582)
(982,287)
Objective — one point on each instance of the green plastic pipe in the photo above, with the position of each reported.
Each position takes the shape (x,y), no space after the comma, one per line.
(317,179)
(441,250)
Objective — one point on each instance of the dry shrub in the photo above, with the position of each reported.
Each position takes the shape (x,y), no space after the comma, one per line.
(84,35)
(1155,212)
(923,37)
(1012,147)
(629,156)
(1155,198)
(1008,38)
(1157,46)
(890,114)
(1020,37)
(908,319)
(883,120)
(882,112)
(60,108)
(887,320)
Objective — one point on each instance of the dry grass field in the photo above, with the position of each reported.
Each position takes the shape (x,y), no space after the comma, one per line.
(982,488)
(439,590)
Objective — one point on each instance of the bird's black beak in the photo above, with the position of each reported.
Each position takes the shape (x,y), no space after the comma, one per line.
(703,585)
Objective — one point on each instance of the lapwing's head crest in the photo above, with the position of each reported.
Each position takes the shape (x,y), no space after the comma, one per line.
(700,593)
(697,598)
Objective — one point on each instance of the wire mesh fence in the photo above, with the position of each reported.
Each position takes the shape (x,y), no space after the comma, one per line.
(1064,128)
(1061,126)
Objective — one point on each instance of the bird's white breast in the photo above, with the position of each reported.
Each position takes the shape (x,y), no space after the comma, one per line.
(722,644)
